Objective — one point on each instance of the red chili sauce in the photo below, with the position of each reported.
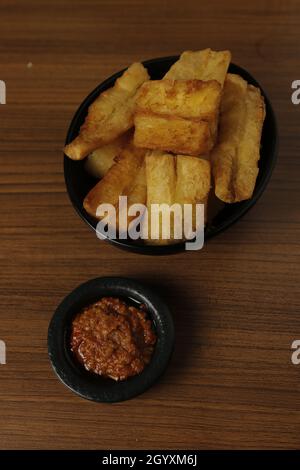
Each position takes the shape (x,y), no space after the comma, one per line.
(113,339)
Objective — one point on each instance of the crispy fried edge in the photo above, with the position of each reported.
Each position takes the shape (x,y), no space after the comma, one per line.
(104,157)
(87,140)
(161,181)
(197,64)
(160,97)
(193,184)
(237,152)
(167,180)
(180,132)
(117,181)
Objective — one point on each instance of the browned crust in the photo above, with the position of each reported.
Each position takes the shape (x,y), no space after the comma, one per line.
(118,180)
(236,155)
(110,115)
(172,134)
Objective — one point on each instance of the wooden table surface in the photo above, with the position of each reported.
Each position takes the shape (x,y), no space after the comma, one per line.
(231,383)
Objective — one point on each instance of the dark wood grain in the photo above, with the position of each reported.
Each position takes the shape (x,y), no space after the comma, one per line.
(231,383)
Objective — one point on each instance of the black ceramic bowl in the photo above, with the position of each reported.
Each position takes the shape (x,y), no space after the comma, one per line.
(92,386)
(79,182)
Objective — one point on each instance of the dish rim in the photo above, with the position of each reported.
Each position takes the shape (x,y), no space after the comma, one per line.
(87,384)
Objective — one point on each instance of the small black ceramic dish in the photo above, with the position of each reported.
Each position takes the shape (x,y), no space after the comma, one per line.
(79,182)
(92,386)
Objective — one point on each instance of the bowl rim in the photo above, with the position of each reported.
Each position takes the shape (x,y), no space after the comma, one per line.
(131,245)
(91,386)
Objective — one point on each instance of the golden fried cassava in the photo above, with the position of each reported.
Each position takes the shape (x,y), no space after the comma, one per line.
(110,115)
(235,157)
